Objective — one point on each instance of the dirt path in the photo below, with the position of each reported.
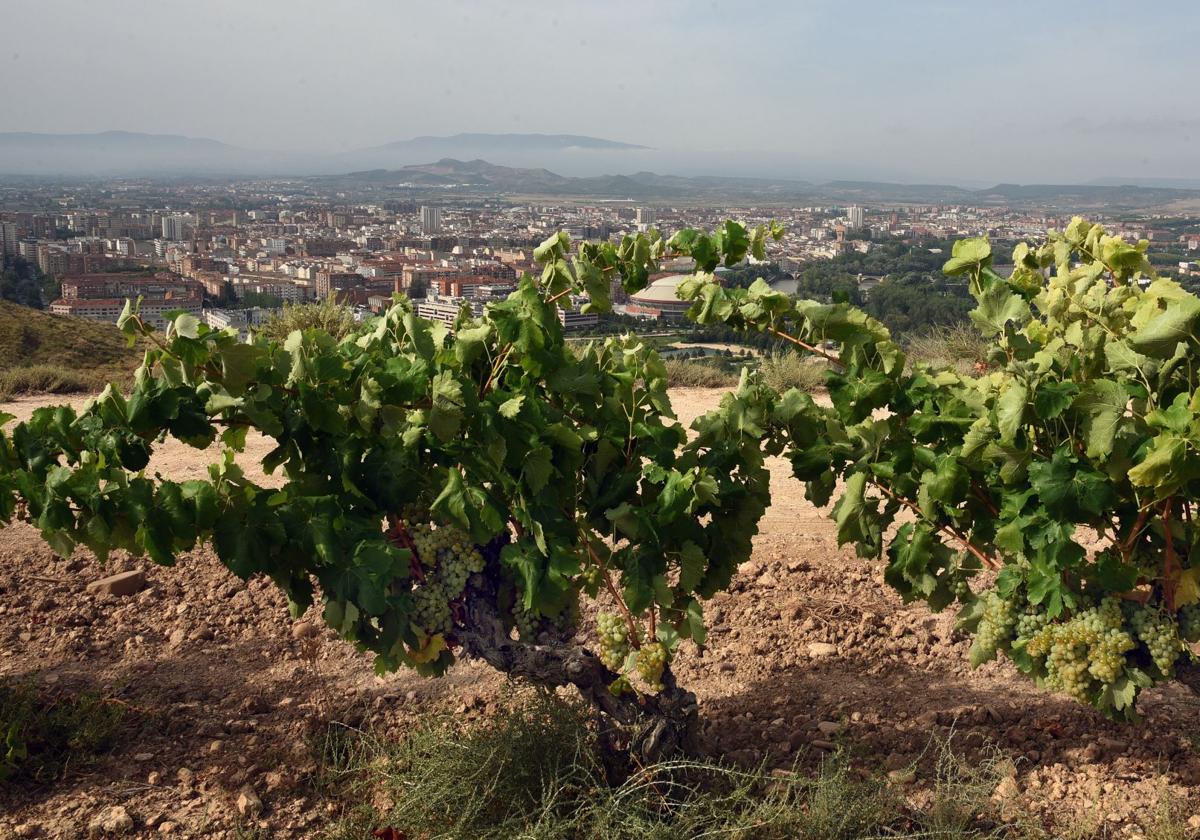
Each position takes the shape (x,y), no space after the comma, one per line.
(225,693)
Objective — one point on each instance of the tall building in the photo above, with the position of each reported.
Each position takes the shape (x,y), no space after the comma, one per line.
(8,238)
(645,216)
(172,228)
(431,220)
(854,217)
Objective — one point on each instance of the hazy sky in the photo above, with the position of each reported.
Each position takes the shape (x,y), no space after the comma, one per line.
(983,91)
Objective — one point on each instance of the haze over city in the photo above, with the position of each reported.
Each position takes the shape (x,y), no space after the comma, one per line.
(924,92)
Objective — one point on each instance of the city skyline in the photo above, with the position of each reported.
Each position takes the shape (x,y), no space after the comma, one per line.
(930,91)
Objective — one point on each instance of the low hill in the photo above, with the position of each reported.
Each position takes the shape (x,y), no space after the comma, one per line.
(40,352)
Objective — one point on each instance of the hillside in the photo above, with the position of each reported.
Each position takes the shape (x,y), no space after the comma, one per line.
(83,354)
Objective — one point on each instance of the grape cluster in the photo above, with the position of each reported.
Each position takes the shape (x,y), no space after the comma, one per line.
(1159,633)
(995,627)
(527,621)
(1085,653)
(614,640)
(651,662)
(962,589)
(449,558)
(1189,623)
(1030,622)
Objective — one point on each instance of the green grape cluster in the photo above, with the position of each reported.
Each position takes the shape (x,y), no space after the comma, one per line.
(1030,622)
(995,627)
(527,621)
(1159,632)
(431,609)
(1085,653)
(1189,623)
(449,558)
(962,589)
(651,662)
(614,640)
(568,617)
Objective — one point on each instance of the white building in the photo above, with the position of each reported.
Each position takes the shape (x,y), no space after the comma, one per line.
(173,228)
(854,217)
(431,220)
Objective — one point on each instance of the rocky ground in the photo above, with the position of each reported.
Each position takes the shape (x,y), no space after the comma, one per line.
(810,652)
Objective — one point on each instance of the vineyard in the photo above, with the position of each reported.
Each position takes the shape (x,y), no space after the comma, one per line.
(487,503)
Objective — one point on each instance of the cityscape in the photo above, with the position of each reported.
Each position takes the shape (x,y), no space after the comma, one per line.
(234,255)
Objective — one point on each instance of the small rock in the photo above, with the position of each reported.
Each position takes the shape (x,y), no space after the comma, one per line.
(27,830)
(1006,790)
(748,568)
(214,747)
(828,728)
(821,650)
(275,780)
(1194,821)
(154,778)
(115,820)
(166,827)
(822,744)
(727,667)
(143,756)
(177,638)
(304,630)
(125,583)
(248,803)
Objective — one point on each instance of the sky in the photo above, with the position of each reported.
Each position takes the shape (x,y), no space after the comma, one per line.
(965,91)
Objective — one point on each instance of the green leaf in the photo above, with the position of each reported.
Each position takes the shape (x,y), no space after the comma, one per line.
(998,307)
(1010,410)
(966,254)
(1102,402)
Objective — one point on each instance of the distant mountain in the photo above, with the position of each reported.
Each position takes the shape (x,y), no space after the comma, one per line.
(481,175)
(127,153)
(512,142)
(1155,183)
(572,153)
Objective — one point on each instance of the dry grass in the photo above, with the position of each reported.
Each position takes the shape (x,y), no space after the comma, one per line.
(532,771)
(698,374)
(959,348)
(43,353)
(789,369)
(47,379)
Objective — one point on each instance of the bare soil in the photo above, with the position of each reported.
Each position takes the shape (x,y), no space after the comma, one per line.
(810,651)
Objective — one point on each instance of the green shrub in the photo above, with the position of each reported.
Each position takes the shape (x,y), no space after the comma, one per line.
(43,736)
(327,315)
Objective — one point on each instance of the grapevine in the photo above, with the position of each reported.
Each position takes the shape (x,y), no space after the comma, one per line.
(1084,421)
(436,484)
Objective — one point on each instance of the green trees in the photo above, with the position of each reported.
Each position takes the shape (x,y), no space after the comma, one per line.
(20,282)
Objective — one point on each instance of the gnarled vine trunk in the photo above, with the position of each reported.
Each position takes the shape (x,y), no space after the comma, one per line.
(646,728)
